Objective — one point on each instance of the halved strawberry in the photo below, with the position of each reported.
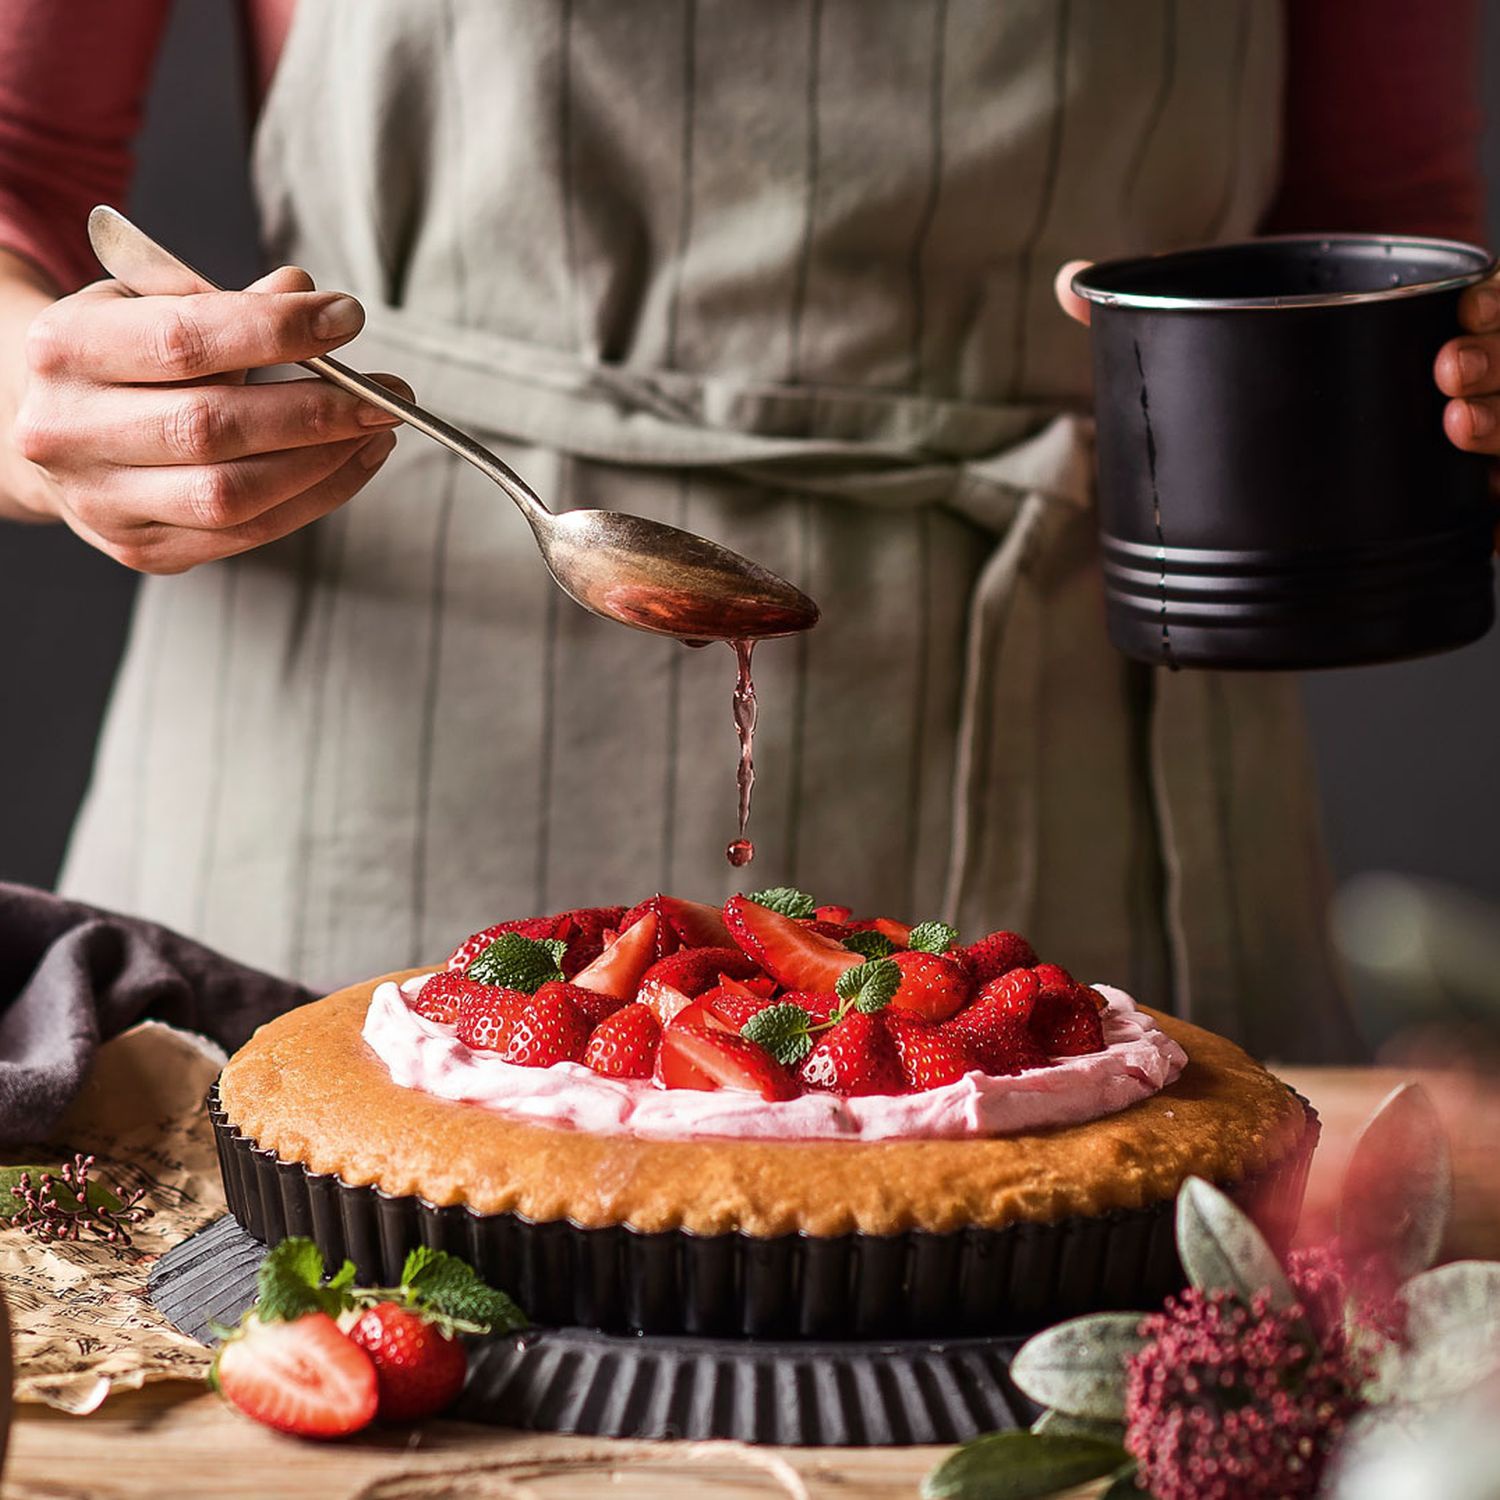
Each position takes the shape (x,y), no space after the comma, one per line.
(419,1369)
(930,1057)
(444,995)
(618,969)
(1067,1025)
(837,931)
(485,1018)
(995,955)
(997,1039)
(819,1004)
(585,931)
(624,1044)
(933,986)
(856,1057)
(784,948)
(590,1004)
(840,914)
(898,932)
(548,1028)
(694,1055)
(1054,977)
(685,924)
(471,947)
(693,970)
(1014,994)
(730,1007)
(301,1376)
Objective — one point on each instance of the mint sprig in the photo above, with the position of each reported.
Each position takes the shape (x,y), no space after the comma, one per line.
(869,987)
(452,1293)
(932,937)
(869,944)
(786,900)
(784,1030)
(519,963)
(290,1283)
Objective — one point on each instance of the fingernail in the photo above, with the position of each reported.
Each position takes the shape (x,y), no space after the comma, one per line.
(1481,419)
(376,451)
(339,319)
(1472,363)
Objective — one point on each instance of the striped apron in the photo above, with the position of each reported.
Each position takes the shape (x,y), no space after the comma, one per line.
(780,274)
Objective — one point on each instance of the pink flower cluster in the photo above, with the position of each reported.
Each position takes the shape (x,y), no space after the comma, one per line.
(1228,1401)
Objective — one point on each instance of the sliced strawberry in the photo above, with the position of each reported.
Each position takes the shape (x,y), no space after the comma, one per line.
(784,948)
(1054,977)
(898,932)
(624,1044)
(997,954)
(419,1369)
(585,930)
(1067,1025)
(685,924)
(548,1028)
(444,995)
(471,947)
(856,1057)
(996,1038)
(302,1377)
(590,1004)
(933,986)
(819,1004)
(929,1056)
(840,914)
(618,969)
(1014,994)
(485,1019)
(693,1055)
(693,970)
(837,931)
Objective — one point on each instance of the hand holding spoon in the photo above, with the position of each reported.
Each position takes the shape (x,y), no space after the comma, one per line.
(621,567)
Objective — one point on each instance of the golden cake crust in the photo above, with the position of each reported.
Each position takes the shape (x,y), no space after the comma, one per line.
(307,1087)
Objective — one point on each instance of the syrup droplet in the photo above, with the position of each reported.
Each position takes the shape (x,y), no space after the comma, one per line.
(742,851)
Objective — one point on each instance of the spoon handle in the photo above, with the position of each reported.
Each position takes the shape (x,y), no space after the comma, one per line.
(148,269)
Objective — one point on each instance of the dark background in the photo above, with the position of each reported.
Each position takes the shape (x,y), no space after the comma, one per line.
(1407,755)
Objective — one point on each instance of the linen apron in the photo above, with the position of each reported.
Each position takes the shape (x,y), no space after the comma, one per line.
(779,273)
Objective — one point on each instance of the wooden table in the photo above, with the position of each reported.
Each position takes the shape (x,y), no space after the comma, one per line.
(170,1441)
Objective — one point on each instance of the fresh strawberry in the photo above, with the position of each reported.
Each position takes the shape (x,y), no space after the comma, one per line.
(618,969)
(933,986)
(301,1376)
(590,1004)
(784,948)
(997,1039)
(1067,1024)
(732,1006)
(693,970)
(444,995)
(1054,977)
(997,954)
(681,924)
(1014,994)
(471,947)
(856,1057)
(419,1369)
(486,1017)
(693,1055)
(819,1004)
(836,931)
(930,1057)
(624,1045)
(548,1028)
(585,931)
(898,932)
(840,914)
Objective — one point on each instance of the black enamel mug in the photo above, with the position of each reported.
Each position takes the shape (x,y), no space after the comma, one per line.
(1275,487)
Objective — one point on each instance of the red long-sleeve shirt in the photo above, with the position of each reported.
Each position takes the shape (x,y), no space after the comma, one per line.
(1381,125)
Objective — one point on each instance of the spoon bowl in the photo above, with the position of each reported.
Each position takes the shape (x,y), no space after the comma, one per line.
(641,573)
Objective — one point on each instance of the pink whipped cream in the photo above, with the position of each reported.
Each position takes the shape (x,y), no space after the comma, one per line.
(1138,1060)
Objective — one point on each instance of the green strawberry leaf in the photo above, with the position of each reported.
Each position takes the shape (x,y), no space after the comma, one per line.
(1221,1249)
(869,944)
(1398,1187)
(1078,1367)
(290,1283)
(450,1289)
(783,1031)
(1021,1466)
(519,963)
(785,899)
(932,937)
(871,986)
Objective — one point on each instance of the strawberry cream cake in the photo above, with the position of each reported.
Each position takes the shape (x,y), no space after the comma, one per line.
(768,1118)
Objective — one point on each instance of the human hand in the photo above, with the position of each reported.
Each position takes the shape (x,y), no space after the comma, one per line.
(1467,369)
(154,449)
(1071,303)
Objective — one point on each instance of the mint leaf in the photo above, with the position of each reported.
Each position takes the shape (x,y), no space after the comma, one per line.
(932,937)
(782,1030)
(290,1283)
(519,963)
(450,1289)
(786,900)
(870,986)
(869,944)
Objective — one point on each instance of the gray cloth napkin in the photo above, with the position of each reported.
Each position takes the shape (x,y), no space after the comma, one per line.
(73,976)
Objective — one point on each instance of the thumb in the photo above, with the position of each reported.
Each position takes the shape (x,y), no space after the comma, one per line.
(1071,303)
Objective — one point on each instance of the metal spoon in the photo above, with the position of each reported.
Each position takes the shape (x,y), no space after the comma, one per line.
(642,573)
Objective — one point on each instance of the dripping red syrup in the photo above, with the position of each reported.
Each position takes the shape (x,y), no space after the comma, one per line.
(741,851)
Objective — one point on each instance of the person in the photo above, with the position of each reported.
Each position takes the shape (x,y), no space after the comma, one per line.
(778,274)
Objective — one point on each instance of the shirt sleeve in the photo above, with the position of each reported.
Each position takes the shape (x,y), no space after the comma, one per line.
(1382,118)
(73,81)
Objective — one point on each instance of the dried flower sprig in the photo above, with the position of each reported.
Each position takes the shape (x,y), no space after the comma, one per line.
(53,1209)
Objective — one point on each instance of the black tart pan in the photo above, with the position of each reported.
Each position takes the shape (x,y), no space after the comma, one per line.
(917,1284)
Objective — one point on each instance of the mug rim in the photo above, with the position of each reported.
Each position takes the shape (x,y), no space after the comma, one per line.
(1085,282)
